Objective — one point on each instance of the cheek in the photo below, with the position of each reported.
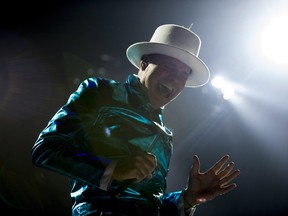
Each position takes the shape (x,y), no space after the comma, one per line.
(182,83)
(154,77)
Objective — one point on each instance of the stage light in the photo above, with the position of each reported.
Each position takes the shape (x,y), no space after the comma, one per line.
(218,82)
(274,43)
(224,86)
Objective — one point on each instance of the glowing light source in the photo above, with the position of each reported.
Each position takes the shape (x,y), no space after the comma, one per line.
(274,42)
(226,88)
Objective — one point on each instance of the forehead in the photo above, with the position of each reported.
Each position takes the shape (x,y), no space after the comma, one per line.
(167,60)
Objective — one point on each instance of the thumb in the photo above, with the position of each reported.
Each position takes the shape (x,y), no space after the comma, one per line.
(196,165)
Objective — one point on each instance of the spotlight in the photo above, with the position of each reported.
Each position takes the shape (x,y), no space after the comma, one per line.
(274,43)
(226,88)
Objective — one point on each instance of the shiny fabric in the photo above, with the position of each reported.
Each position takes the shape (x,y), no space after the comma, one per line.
(102,121)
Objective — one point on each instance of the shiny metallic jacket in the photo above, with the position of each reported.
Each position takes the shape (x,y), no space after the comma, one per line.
(103,121)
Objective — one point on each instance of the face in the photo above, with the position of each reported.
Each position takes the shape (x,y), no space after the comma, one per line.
(163,77)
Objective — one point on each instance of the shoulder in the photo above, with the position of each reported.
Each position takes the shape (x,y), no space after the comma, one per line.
(93,88)
(98,82)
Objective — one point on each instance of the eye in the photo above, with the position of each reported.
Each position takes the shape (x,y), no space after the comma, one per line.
(168,69)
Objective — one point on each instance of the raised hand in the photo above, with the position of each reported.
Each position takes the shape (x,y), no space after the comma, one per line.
(210,184)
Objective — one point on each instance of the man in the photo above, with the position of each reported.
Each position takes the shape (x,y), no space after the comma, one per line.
(110,140)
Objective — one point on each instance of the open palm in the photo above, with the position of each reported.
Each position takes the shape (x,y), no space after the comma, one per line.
(210,184)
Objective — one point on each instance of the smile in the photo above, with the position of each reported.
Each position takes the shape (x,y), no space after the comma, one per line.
(166,90)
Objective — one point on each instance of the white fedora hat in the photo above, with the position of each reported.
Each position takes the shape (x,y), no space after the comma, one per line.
(177,42)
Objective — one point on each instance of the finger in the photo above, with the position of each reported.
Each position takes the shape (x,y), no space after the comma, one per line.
(227,188)
(219,164)
(230,177)
(129,174)
(144,165)
(196,165)
(140,171)
(226,171)
(148,155)
(147,159)
(152,158)
(141,174)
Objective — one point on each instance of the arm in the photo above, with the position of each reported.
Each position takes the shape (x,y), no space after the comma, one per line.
(78,144)
(65,144)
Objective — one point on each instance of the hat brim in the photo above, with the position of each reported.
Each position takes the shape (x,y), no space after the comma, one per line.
(200,72)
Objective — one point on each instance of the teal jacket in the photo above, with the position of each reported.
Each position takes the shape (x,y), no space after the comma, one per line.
(102,121)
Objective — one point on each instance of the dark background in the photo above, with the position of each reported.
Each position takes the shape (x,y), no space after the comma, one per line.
(47,48)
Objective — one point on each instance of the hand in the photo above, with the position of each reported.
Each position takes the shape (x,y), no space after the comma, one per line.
(210,184)
(137,167)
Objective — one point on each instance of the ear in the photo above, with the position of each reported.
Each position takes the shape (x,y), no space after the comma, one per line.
(143,65)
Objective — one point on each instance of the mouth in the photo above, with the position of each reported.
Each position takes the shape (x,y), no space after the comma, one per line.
(166,90)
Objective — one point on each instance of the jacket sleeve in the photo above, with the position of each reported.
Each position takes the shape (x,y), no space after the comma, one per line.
(173,205)
(67,145)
